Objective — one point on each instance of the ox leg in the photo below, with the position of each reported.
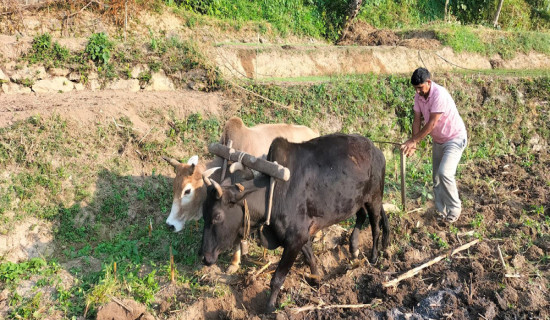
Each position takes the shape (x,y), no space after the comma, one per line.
(374,209)
(385,225)
(307,250)
(235,261)
(287,260)
(354,238)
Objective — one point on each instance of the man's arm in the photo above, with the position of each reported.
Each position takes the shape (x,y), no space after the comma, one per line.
(418,134)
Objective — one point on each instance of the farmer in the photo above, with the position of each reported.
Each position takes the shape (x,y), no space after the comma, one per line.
(435,105)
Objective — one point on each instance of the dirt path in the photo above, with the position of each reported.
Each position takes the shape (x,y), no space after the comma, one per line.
(87,106)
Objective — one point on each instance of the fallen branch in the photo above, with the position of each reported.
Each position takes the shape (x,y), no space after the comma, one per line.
(83,8)
(122,304)
(416,270)
(145,135)
(308,275)
(415,210)
(335,306)
(257,273)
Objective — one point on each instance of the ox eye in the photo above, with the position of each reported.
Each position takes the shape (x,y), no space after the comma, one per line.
(186,192)
(217,218)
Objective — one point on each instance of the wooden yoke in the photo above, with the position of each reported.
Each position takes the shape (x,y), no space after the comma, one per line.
(271,169)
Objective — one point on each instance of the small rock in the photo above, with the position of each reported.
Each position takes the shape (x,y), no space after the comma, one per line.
(3,77)
(94,85)
(57,84)
(131,85)
(59,72)
(14,88)
(74,76)
(160,82)
(197,86)
(4,294)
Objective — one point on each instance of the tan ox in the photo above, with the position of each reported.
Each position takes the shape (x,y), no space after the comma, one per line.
(189,189)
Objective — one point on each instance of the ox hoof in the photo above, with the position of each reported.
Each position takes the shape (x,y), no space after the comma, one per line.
(374,260)
(232,269)
(270,309)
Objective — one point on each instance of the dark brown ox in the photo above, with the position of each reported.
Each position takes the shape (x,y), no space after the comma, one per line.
(331,178)
(189,191)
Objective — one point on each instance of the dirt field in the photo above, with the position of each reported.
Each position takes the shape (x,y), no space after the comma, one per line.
(472,284)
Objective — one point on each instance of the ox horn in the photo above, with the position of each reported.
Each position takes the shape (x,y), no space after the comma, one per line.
(206,175)
(218,188)
(236,166)
(175,163)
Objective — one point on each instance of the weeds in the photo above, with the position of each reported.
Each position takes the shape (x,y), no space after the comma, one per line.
(442,244)
(47,53)
(99,48)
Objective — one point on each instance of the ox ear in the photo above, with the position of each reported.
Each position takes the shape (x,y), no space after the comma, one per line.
(237,193)
(194,160)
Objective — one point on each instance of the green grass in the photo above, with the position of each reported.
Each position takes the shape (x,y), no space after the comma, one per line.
(322,18)
(171,54)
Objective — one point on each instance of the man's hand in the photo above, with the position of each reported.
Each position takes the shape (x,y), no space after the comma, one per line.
(409,147)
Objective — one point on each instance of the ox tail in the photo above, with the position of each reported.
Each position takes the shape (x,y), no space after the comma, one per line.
(385,225)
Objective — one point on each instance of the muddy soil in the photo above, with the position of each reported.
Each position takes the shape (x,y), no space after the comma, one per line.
(472,284)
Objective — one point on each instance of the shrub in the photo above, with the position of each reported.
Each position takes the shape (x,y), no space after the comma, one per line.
(99,48)
(48,53)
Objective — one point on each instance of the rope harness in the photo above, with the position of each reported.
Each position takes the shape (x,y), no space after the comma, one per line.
(246,223)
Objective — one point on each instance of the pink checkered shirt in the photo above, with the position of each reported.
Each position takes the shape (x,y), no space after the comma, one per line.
(450,125)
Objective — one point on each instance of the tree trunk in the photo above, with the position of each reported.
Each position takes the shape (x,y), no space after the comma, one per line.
(495,22)
(354,7)
(446,10)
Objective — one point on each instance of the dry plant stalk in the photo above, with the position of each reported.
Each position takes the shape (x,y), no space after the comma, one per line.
(122,304)
(172,272)
(506,274)
(416,270)
(262,269)
(334,306)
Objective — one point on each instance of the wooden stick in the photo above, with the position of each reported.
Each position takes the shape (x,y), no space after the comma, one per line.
(145,135)
(224,166)
(403,172)
(334,306)
(270,201)
(501,258)
(416,270)
(122,304)
(172,273)
(414,210)
(257,273)
(308,275)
